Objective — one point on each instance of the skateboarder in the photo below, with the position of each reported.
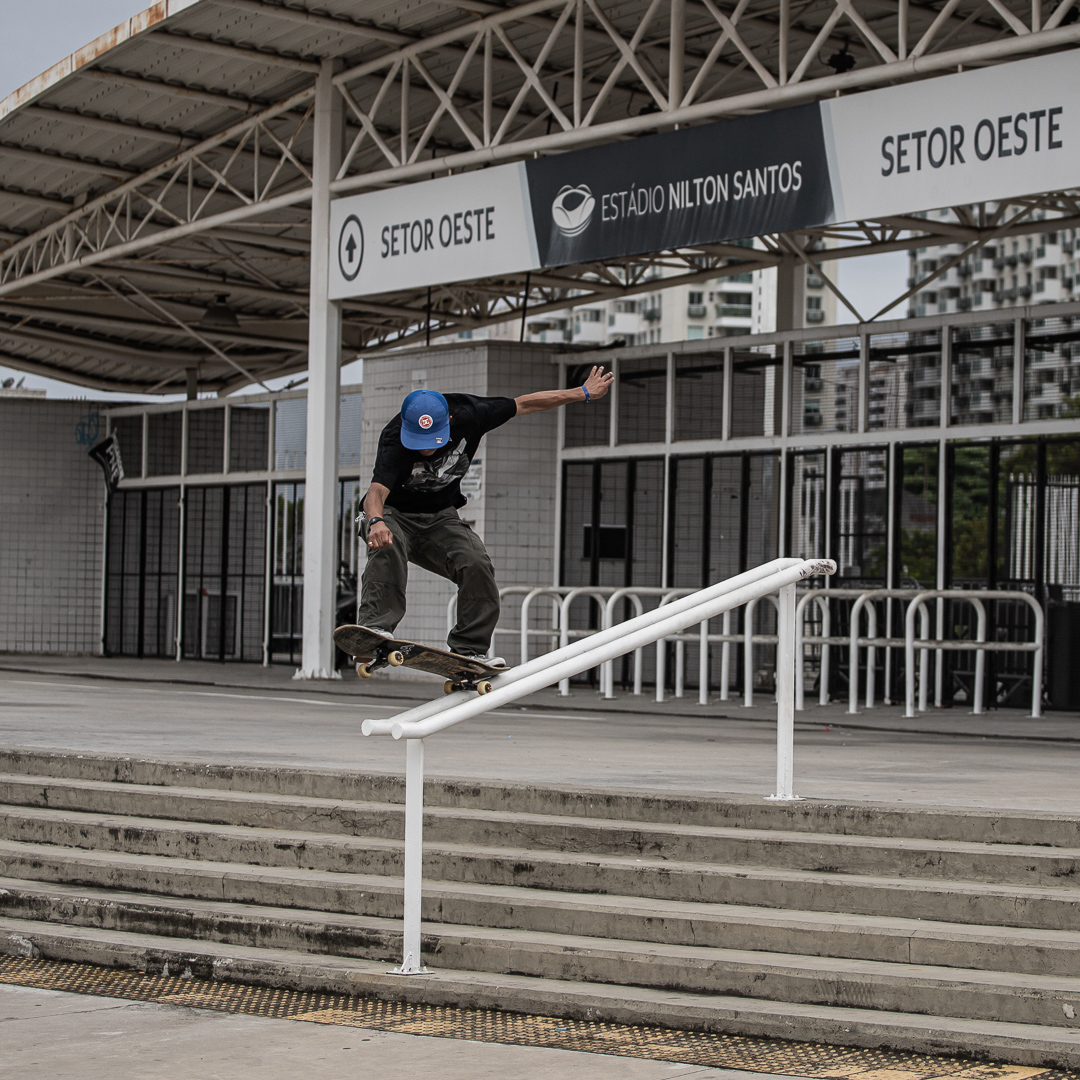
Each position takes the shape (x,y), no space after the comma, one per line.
(410,511)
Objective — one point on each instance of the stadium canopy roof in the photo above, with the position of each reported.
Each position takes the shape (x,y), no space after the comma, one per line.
(155,186)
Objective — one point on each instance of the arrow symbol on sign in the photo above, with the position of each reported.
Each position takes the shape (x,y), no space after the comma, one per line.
(350,248)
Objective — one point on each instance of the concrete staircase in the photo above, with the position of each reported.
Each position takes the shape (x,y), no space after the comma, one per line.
(935,930)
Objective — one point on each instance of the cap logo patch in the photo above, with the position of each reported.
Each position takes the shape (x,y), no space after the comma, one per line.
(425,421)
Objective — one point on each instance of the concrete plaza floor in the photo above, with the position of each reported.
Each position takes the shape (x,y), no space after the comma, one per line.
(245,714)
(234,713)
(51,1035)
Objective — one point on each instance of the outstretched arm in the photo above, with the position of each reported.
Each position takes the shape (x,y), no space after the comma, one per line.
(597,384)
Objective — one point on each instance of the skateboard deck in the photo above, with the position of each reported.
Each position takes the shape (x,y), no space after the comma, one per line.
(373,651)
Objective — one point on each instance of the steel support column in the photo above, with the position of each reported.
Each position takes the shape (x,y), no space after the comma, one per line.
(324,361)
(790,293)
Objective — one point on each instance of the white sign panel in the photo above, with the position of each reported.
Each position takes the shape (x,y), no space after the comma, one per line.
(1008,130)
(474,225)
(988,135)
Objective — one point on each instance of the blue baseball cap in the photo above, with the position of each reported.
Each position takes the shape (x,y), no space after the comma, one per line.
(425,421)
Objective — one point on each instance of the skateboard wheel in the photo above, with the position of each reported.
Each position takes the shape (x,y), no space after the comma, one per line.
(364,671)
(395,659)
(483,687)
(448,686)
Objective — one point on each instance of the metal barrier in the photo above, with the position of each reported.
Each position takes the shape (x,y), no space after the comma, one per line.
(980,646)
(607,597)
(917,601)
(872,642)
(414,725)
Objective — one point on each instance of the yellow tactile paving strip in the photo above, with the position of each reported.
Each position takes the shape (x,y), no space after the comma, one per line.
(743,1053)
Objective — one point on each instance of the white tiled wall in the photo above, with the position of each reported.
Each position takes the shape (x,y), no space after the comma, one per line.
(516,513)
(51,516)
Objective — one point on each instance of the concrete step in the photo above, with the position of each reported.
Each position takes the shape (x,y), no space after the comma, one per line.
(962,824)
(1019,1043)
(886,937)
(448,905)
(973,903)
(1007,997)
(205,825)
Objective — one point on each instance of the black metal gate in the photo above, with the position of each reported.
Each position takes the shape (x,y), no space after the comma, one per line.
(141,573)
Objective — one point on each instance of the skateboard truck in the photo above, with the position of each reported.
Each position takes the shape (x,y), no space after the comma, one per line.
(481,686)
(383,657)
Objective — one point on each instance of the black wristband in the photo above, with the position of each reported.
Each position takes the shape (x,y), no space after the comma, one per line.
(371,521)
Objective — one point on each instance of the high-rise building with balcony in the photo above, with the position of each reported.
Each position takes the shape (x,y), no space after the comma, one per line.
(718,308)
(1012,272)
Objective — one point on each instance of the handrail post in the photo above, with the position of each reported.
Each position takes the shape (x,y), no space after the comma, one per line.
(924,658)
(826,632)
(909,659)
(523,629)
(871,652)
(980,656)
(411,963)
(1037,673)
(748,654)
(800,649)
(785,696)
(607,671)
(703,664)
(853,655)
(564,634)
(939,655)
(661,669)
(725,657)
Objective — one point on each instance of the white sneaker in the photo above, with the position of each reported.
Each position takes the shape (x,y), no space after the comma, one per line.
(483,658)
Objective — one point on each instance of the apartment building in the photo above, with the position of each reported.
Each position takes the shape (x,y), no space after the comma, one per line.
(721,307)
(1039,269)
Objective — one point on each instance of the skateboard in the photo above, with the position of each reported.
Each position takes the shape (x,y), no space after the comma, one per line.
(373,651)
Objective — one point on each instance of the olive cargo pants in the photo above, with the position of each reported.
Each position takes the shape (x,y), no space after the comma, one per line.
(445,545)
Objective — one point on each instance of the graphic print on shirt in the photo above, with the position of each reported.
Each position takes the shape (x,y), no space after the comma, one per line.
(440,471)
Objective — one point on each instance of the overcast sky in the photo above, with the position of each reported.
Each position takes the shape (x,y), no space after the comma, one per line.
(38,33)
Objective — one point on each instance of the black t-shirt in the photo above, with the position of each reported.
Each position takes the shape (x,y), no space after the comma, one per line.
(425,485)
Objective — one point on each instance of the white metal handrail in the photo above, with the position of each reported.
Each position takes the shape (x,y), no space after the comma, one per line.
(414,725)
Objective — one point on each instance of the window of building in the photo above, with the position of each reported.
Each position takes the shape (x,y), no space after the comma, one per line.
(249,436)
(164,432)
(206,441)
(699,397)
(643,399)
(290,434)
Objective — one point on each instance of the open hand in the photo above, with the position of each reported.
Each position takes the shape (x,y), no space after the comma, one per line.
(599,382)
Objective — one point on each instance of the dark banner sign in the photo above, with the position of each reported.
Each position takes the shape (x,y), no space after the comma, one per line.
(757,174)
(107,455)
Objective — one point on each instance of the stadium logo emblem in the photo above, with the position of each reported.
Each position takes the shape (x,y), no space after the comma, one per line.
(425,421)
(573,209)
